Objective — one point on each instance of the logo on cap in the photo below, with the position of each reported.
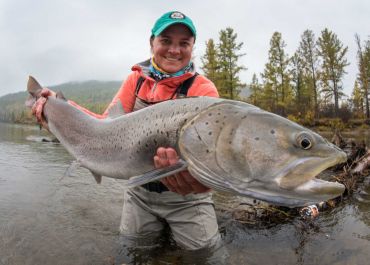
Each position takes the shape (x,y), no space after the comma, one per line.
(177,15)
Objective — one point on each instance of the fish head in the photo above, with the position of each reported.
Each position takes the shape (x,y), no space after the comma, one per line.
(285,159)
(259,154)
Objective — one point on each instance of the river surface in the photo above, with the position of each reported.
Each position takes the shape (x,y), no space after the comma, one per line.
(49,218)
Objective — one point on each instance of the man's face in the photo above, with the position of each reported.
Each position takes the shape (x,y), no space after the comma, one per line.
(172,49)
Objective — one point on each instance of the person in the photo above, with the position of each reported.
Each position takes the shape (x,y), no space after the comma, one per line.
(179,201)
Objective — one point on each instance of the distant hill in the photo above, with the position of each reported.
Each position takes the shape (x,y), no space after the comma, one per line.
(94,95)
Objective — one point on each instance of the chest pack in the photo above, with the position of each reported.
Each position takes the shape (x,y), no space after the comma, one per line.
(181,91)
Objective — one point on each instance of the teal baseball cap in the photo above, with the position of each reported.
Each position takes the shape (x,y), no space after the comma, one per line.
(171,18)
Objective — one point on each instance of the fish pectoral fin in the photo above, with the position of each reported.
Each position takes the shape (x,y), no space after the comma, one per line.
(156,174)
(97,177)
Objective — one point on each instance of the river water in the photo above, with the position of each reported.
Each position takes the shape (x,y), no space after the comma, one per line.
(49,218)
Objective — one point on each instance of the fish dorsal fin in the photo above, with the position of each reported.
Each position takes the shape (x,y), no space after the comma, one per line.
(33,87)
(116,110)
(60,95)
(156,174)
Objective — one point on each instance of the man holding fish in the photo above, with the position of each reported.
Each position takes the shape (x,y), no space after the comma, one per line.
(179,200)
(191,144)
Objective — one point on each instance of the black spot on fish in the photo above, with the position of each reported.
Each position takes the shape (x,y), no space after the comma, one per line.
(146,145)
(272,131)
(197,108)
(206,122)
(217,121)
(192,122)
(209,114)
(219,113)
(168,134)
(155,141)
(257,138)
(207,151)
(210,133)
(245,116)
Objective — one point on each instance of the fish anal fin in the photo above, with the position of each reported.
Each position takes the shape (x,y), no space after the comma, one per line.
(97,177)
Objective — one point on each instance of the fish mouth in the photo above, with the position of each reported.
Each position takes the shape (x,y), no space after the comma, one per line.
(297,184)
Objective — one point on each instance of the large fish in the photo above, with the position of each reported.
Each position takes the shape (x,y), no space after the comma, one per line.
(226,145)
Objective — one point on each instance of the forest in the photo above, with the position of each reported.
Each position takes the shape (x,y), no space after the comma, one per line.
(306,87)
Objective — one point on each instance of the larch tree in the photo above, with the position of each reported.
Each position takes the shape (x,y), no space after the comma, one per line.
(333,62)
(363,57)
(276,75)
(210,64)
(357,101)
(228,54)
(308,54)
(256,91)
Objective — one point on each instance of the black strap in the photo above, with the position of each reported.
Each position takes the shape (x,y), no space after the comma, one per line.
(181,91)
(139,82)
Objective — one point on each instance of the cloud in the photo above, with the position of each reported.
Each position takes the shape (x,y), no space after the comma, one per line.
(61,41)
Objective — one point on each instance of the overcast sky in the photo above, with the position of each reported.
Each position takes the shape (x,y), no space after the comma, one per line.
(76,40)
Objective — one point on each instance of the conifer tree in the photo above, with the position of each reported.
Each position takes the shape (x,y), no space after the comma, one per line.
(332,53)
(256,91)
(210,64)
(228,56)
(357,101)
(308,55)
(276,75)
(364,71)
(299,86)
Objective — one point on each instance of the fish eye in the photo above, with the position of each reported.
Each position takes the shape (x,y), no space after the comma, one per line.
(304,141)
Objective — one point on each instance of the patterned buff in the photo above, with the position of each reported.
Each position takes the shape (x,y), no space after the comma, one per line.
(158,74)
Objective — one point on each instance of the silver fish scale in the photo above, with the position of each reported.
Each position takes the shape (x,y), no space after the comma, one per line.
(125,146)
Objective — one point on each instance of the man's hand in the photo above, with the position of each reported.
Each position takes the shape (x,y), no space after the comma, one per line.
(38,107)
(182,182)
